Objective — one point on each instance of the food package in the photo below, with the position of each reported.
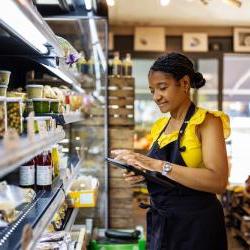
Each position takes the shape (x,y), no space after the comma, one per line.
(15,195)
(10,198)
(56,236)
(48,92)
(52,246)
(84,183)
(83,192)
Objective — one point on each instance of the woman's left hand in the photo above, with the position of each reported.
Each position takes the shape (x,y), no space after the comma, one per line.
(138,160)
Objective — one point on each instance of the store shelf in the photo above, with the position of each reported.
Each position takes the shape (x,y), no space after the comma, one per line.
(71,220)
(38,215)
(62,119)
(23,151)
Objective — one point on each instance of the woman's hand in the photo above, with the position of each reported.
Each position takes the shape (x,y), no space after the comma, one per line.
(138,160)
(131,178)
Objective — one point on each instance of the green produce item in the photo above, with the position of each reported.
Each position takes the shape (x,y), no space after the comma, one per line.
(14,114)
(4,77)
(3,118)
(41,105)
(3,90)
(34,91)
(54,106)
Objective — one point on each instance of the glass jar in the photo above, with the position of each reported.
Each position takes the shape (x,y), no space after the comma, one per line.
(14,114)
(3,116)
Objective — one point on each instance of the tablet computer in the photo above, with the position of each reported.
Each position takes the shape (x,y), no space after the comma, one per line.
(148,175)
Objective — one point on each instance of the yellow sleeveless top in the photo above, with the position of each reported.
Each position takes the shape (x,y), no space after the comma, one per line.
(193,154)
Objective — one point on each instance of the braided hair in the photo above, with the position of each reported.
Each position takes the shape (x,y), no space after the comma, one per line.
(178,66)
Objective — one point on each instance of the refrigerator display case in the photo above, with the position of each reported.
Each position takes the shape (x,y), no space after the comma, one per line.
(34,53)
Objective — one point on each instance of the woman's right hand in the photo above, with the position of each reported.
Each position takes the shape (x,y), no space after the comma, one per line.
(131,178)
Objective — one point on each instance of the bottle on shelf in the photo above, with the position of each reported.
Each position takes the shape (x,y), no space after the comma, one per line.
(82,64)
(116,65)
(55,156)
(44,171)
(27,174)
(91,66)
(127,66)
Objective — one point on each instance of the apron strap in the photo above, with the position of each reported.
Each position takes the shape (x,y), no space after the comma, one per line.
(188,116)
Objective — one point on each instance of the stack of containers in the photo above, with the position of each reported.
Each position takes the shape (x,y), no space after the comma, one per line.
(4,81)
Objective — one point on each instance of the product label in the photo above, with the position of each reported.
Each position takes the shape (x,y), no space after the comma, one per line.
(86,199)
(27,175)
(43,175)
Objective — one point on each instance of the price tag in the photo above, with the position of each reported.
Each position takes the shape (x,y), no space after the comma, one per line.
(53,125)
(30,126)
(42,129)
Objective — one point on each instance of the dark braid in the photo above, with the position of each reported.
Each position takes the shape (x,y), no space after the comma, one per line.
(178,66)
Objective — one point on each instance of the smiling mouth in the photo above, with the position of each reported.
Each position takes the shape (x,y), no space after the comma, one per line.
(161,104)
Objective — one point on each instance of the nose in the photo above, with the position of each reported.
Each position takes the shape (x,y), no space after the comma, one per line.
(157,96)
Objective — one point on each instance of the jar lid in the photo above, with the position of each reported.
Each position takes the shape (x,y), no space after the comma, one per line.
(14,99)
(54,100)
(2,98)
(5,71)
(3,86)
(34,86)
(40,99)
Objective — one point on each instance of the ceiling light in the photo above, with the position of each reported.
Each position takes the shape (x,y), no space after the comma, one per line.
(22,26)
(110,3)
(164,2)
(234,3)
(88,4)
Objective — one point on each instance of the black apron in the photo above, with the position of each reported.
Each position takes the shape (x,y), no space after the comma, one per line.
(182,218)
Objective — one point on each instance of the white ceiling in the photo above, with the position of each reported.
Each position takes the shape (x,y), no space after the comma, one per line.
(179,12)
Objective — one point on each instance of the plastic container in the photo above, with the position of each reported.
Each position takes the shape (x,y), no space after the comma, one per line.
(4,77)
(41,105)
(28,107)
(34,91)
(95,245)
(54,106)
(3,116)
(3,90)
(14,114)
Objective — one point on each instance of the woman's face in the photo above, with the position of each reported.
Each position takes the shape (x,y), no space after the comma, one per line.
(167,93)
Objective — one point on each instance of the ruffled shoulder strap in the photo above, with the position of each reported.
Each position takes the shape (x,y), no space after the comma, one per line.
(200,116)
(158,127)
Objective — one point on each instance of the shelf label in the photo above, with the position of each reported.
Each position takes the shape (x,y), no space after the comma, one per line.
(30,126)
(86,199)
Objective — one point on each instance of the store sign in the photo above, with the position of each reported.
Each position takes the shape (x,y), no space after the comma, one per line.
(149,39)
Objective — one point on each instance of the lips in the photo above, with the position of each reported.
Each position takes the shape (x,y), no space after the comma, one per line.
(162,104)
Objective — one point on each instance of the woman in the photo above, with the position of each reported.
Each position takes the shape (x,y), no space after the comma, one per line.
(189,150)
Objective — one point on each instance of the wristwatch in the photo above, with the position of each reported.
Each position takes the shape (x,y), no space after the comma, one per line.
(166,169)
